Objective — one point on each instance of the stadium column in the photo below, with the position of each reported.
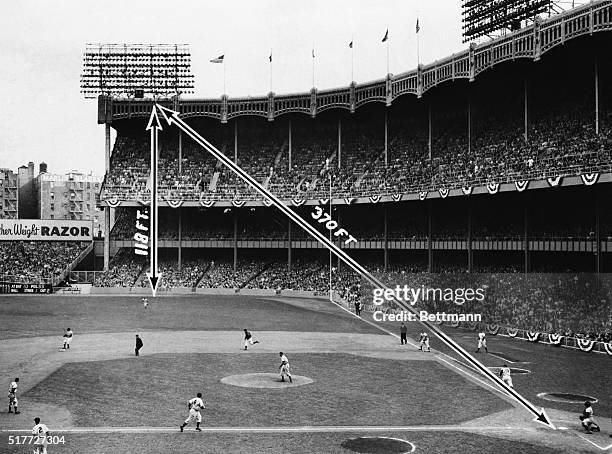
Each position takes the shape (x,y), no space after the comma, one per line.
(429,239)
(596,69)
(290,140)
(180,152)
(180,239)
(339,139)
(289,245)
(386,239)
(469,113)
(526,111)
(526,237)
(107,208)
(597,238)
(470,254)
(235,240)
(429,128)
(236,140)
(386,137)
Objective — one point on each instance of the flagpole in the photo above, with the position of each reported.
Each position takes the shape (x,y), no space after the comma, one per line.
(417,33)
(224,91)
(352,59)
(270,70)
(313,66)
(387,51)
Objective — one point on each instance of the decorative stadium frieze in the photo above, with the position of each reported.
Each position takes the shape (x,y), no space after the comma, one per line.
(530,42)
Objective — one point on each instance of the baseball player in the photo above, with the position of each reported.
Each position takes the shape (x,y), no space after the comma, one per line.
(248,339)
(482,342)
(587,419)
(284,368)
(504,373)
(12,397)
(67,338)
(195,405)
(424,340)
(41,431)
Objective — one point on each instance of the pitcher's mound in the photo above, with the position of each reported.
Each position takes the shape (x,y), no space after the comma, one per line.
(265,381)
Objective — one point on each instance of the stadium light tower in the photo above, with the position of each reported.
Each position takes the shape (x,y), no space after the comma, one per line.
(136,70)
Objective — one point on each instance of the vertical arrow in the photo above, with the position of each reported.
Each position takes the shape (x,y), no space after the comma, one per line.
(154,126)
(172,116)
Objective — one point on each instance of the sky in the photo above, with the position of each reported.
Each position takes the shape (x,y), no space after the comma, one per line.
(44,117)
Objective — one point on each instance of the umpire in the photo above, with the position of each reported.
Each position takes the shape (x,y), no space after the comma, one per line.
(139,344)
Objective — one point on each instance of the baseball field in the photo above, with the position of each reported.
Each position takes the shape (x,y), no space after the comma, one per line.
(356,389)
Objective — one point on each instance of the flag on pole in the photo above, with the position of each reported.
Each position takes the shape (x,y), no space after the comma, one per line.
(270,58)
(351,45)
(386,37)
(219,59)
(313,53)
(417,25)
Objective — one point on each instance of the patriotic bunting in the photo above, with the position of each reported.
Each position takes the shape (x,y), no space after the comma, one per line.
(555,339)
(206,203)
(323,201)
(512,332)
(554,181)
(473,325)
(422,195)
(467,190)
(585,345)
(374,198)
(492,188)
(532,336)
(608,347)
(267,202)
(174,203)
(396,197)
(113,202)
(238,203)
(589,178)
(443,193)
(521,185)
(349,200)
(492,329)
(298,202)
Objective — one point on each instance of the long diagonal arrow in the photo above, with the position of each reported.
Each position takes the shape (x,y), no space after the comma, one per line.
(154,126)
(172,116)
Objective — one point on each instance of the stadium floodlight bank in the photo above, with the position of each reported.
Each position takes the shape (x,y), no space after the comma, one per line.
(488,17)
(136,70)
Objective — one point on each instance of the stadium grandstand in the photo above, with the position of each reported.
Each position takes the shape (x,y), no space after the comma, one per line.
(496,162)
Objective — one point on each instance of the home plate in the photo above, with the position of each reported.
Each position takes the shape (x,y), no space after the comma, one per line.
(265,381)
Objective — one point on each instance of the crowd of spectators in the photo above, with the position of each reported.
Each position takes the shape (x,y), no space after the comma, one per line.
(561,141)
(37,261)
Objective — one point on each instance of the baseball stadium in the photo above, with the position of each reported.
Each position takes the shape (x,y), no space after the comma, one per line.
(476,190)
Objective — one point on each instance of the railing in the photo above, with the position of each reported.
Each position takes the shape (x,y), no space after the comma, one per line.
(74,263)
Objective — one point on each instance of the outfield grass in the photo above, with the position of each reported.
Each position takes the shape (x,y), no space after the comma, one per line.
(27,316)
(347,390)
(296,443)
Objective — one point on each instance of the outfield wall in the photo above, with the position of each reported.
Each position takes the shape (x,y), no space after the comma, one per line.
(145,291)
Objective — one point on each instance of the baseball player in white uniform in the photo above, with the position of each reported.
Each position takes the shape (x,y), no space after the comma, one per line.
(195,405)
(424,340)
(68,338)
(284,368)
(482,341)
(504,373)
(41,431)
(12,397)
(248,339)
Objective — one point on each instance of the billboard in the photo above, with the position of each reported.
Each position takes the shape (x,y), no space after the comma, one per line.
(17,287)
(45,230)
